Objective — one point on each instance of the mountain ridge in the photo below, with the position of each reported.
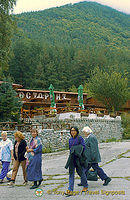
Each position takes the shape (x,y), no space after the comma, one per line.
(52,45)
(92,17)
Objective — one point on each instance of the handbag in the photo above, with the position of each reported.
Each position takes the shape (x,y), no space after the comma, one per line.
(92,175)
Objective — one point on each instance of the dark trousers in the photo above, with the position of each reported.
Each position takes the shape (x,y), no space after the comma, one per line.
(99,170)
(71,179)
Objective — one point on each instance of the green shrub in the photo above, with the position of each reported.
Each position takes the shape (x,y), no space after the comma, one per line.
(47,150)
(126,125)
(111,140)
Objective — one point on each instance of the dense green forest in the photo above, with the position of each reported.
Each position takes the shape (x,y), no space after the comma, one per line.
(63,45)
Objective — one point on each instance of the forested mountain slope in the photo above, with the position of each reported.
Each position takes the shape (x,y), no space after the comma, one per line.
(62,45)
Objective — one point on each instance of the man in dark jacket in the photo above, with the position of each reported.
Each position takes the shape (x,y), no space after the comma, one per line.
(93,155)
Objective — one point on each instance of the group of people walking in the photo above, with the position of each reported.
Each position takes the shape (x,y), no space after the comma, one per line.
(84,154)
(29,157)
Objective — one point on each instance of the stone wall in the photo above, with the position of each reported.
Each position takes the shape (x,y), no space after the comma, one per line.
(103,129)
(54,133)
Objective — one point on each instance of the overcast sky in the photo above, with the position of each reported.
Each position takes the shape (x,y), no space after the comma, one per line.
(33,5)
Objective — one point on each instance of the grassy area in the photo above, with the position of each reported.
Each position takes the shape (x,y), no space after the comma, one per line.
(112,140)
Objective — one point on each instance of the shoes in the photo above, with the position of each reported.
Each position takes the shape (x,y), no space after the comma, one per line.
(1,181)
(85,189)
(25,183)
(79,184)
(34,187)
(40,182)
(11,183)
(69,193)
(107,180)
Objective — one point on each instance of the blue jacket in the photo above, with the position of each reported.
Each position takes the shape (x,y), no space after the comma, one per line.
(76,141)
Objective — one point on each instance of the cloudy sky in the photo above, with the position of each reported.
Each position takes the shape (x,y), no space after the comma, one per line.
(33,5)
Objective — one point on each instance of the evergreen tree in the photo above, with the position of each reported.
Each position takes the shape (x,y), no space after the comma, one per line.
(6,30)
(39,78)
(73,89)
(87,90)
(10,104)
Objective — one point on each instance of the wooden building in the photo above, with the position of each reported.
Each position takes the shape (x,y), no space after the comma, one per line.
(37,102)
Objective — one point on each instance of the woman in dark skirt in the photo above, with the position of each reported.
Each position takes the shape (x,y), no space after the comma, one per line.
(34,160)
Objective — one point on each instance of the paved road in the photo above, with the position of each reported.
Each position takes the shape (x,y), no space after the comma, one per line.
(115,162)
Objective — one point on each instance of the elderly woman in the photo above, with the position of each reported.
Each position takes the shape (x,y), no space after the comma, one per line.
(19,157)
(6,154)
(34,160)
(77,147)
(93,155)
